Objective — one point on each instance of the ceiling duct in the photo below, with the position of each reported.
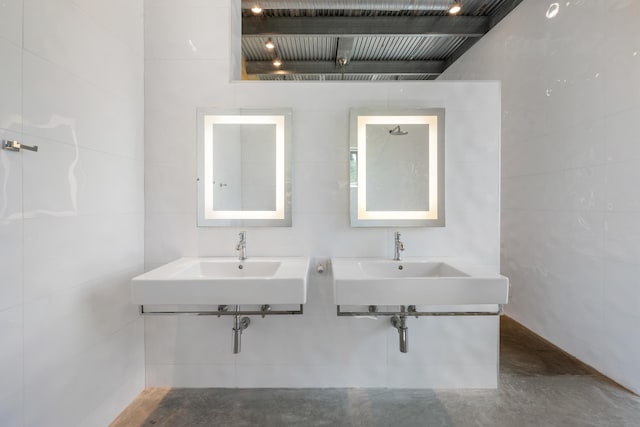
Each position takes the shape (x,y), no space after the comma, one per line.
(349,4)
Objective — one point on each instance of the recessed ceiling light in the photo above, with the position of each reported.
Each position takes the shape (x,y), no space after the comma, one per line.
(269,44)
(277,62)
(256,9)
(455,8)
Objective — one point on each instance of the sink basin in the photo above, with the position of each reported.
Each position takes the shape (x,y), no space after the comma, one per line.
(222,269)
(409,269)
(418,281)
(224,281)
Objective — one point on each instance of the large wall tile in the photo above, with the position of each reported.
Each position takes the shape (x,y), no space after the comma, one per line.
(64,34)
(121,18)
(322,187)
(11,263)
(11,21)
(71,322)
(183,30)
(68,180)
(10,225)
(620,58)
(112,363)
(169,133)
(11,354)
(195,87)
(60,106)
(73,250)
(620,136)
(10,86)
(169,188)
(305,122)
(178,340)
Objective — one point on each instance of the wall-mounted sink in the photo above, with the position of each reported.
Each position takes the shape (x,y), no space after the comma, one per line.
(415,281)
(202,281)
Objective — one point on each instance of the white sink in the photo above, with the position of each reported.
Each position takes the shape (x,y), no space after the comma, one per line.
(415,281)
(224,281)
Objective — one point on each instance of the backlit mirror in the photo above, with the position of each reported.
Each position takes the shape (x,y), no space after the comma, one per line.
(244,171)
(397,168)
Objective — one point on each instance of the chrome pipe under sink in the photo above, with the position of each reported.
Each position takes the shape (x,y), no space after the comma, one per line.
(400,323)
(239,324)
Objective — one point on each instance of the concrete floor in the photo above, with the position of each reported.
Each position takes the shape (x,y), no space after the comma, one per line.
(539,386)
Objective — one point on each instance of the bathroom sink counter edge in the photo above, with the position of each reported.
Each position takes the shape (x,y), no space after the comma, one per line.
(417,281)
(224,280)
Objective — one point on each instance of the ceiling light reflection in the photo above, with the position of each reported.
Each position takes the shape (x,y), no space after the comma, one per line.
(553,10)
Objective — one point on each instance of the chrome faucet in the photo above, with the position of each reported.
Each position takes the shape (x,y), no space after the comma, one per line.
(242,246)
(399,246)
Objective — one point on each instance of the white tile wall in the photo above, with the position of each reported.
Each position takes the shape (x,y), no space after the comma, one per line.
(173,34)
(74,42)
(60,106)
(10,226)
(120,18)
(115,359)
(570,240)
(11,21)
(10,86)
(11,367)
(11,254)
(317,349)
(71,215)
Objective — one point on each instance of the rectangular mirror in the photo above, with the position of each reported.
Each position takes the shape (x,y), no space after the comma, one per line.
(244,171)
(397,168)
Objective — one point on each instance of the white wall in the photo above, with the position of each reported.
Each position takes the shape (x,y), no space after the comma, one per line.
(187,66)
(570,174)
(71,215)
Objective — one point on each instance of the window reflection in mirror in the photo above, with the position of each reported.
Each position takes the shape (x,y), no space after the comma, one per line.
(397,167)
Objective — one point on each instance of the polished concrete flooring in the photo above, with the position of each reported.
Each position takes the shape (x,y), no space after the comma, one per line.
(539,386)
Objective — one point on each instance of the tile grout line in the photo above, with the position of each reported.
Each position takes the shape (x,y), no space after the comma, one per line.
(24,397)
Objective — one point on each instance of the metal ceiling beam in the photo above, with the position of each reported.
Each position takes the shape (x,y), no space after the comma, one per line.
(354,67)
(340,26)
(349,4)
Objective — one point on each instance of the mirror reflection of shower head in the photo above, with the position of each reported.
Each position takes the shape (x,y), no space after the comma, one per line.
(397,131)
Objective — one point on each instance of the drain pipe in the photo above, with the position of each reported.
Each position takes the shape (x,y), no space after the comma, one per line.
(239,324)
(400,323)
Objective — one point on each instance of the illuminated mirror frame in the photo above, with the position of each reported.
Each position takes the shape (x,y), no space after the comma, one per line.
(281,215)
(431,117)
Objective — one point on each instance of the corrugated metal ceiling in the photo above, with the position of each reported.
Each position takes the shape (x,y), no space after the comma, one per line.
(297,8)
(401,48)
(369,56)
